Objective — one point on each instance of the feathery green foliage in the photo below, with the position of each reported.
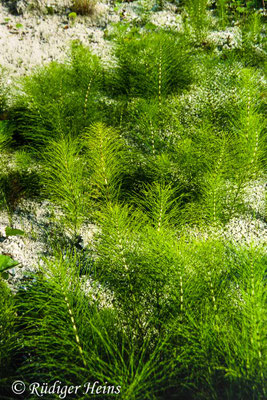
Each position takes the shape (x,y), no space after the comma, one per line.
(202,333)
(64,179)
(164,297)
(7,321)
(77,342)
(3,97)
(58,100)
(221,9)
(154,65)
(198,17)
(106,153)
(254,45)
(160,203)
(5,139)
(203,342)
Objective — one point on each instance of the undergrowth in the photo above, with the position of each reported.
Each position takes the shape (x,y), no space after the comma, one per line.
(156,150)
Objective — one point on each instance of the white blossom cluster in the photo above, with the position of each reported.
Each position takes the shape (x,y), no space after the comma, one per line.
(229,39)
(246,230)
(255,197)
(202,100)
(43,6)
(36,220)
(25,249)
(34,40)
(96,292)
(167,20)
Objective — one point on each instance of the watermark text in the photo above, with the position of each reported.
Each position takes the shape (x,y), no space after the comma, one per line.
(63,391)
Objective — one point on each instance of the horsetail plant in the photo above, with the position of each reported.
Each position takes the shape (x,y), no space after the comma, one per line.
(153,164)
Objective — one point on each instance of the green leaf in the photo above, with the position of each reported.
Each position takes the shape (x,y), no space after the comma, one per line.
(241,10)
(14,232)
(6,263)
(72,15)
(5,275)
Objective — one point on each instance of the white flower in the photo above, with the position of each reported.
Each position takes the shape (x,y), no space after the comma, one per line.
(228,39)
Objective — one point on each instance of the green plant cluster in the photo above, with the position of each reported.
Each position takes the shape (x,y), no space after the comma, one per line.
(161,142)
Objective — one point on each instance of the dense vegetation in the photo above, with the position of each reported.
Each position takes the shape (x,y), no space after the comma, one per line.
(161,143)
